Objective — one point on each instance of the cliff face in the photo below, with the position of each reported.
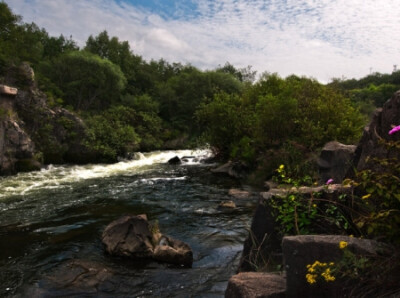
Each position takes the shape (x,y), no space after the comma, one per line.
(17,151)
(32,133)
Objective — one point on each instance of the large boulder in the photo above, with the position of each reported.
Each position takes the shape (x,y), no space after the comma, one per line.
(129,236)
(377,133)
(133,237)
(300,251)
(335,160)
(256,284)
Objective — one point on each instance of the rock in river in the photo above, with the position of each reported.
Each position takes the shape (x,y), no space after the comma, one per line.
(132,236)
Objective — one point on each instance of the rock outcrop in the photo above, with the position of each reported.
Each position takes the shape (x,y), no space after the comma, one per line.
(31,132)
(17,151)
(262,247)
(377,133)
(335,160)
(131,236)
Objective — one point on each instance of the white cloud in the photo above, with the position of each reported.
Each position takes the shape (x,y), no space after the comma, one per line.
(322,39)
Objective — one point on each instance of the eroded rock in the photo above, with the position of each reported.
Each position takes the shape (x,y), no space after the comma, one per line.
(129,236)
(132,237)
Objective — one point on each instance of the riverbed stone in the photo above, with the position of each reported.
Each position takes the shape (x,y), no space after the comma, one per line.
(173,251)
(175,161)
(256,284)
(81,275)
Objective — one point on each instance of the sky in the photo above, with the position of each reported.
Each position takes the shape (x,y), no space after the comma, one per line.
(322,39)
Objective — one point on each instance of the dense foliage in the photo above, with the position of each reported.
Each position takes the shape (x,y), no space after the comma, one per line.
(371,91)
(128,103)
(276,112)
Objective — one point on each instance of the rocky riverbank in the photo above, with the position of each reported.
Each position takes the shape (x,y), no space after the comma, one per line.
(274,265)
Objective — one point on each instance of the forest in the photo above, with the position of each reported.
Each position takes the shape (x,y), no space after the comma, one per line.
(129,104)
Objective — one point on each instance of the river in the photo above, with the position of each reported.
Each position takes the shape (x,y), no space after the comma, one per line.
(52,217)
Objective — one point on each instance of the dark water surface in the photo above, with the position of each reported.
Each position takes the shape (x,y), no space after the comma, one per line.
(52,218)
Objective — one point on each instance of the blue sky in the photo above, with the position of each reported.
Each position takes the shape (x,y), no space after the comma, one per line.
(316,38)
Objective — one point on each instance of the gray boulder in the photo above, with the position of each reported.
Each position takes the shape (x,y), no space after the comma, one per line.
(335,160)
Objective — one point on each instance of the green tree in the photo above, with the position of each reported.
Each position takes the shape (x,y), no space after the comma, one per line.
(111,134)
(86,80)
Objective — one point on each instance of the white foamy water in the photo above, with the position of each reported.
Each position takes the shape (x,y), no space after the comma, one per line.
(63,176)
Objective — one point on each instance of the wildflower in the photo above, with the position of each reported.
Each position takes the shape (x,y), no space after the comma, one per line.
(311,278)
(327,275)
(366,196)
(281,167)
(394,129)
(330,181)
(342,244)
(314,205)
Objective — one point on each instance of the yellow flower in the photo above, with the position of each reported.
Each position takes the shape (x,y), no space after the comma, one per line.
(314,205)
(281,167)
(342,244)
(311,278)
(366,196)
(327,275)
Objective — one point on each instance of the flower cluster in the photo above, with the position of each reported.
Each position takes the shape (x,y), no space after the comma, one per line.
(320,269)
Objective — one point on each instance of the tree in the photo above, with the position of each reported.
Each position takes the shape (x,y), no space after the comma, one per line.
(87,81)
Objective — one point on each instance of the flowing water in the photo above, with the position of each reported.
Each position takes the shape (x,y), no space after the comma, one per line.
(53,217)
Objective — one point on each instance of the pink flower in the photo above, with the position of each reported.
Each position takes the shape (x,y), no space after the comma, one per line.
(329,181)
(394,129)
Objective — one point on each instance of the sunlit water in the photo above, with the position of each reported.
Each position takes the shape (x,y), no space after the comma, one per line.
(51,217)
